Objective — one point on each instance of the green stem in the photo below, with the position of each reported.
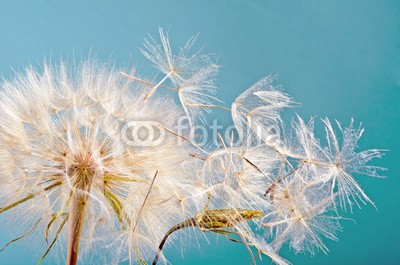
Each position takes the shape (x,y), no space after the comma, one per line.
(187,223)
(28,197)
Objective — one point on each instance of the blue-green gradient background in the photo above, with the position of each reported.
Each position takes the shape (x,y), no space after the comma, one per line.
(338,58)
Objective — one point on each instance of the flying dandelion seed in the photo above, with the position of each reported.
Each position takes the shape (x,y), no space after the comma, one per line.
(191,73)
(90,160)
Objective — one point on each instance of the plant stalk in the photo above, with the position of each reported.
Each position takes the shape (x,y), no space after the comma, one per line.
(77,214)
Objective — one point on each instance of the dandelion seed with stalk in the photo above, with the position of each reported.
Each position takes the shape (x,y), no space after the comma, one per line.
(68,164)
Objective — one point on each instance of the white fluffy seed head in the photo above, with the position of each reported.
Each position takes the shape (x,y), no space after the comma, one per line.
(59,126)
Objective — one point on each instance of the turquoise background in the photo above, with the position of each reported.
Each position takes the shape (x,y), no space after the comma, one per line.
(338,58)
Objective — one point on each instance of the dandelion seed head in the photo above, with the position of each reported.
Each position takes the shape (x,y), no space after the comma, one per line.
(63,137)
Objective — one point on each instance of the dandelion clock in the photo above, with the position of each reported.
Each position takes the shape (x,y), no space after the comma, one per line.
(94,169)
